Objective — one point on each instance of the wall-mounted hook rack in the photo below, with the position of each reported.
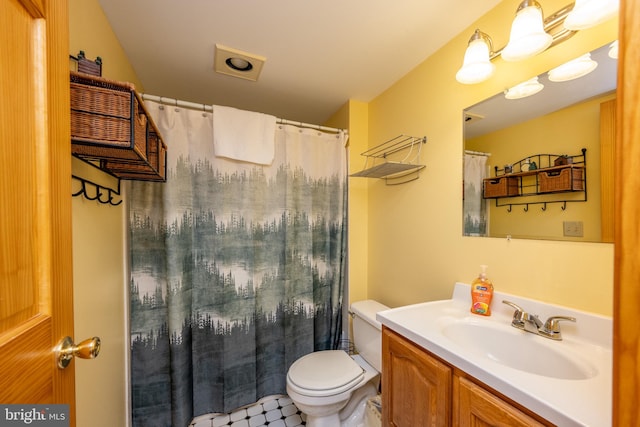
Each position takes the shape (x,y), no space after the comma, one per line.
(95,183)
(102,194)
(525,208)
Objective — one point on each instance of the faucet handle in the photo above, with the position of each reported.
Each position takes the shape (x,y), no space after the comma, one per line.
(551,325)
(519,315)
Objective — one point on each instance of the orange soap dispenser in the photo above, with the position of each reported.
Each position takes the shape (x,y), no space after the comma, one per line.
(481,293)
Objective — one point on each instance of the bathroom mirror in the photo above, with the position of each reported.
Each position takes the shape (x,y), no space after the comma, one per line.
(561,119)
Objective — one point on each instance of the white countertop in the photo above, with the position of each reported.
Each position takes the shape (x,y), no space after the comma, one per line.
(565,402)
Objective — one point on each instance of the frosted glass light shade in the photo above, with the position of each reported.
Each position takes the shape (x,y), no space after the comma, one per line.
(524,89)
(573,69)
(476,66)
(527,37)
(588,13)
(613,50)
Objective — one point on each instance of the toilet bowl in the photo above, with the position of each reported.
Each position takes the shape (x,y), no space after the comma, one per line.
(331,387)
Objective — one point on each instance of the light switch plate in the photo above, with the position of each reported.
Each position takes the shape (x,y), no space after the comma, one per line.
(572,228)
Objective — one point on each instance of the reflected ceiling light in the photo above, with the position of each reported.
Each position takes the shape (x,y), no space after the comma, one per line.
(524,89)
(588,13)
(613,50)
(476,66)
(528,37)
(573,69)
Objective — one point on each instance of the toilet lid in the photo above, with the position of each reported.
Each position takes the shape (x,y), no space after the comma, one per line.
(326,370)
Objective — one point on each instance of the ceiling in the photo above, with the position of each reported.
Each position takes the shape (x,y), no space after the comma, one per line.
(319,54)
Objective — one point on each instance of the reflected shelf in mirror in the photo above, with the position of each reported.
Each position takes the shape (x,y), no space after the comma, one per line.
(562,118)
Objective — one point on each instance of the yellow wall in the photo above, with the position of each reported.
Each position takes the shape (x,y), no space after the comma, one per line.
(580,125)
(415,246)
(353,115)
(99,235)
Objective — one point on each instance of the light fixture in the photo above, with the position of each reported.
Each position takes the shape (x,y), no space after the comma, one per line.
(528,37)
(239,64)
(524,89)
(477,66)
(588,13)
(578,67)
(613,50)
(531,35)
(236,63)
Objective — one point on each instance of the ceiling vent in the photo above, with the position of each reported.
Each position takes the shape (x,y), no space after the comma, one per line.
(237,63)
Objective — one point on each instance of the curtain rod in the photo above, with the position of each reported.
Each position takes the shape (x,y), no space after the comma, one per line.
(477,153)
(209,108)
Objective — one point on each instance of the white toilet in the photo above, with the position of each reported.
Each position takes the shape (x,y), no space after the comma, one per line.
(331,387)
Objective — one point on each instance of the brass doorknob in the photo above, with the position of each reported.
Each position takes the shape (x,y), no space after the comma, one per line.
(66,350)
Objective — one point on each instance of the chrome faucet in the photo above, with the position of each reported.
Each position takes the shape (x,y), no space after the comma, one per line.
(531,323)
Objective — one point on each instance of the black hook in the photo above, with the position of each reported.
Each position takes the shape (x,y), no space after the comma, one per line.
(544,206)
(99,192)
(564,205)
(526,207)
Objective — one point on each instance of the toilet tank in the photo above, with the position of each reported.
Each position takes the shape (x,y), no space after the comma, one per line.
(367,331)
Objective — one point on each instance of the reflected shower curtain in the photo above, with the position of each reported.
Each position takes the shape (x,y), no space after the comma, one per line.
(475,209)
(237,269)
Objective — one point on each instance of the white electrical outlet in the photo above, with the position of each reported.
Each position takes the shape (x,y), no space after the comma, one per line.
(572,228)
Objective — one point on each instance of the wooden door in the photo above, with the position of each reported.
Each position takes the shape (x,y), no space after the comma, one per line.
(626,333)
(36,308)
(416,388)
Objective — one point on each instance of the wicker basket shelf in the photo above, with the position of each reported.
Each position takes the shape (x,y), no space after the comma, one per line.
(110,124)
(505,186)
(567,179)
(525,183)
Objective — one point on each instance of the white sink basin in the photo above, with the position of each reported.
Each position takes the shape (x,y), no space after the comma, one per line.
(567,382)
(518,350)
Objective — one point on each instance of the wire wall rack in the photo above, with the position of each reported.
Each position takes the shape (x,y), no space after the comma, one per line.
(397,160)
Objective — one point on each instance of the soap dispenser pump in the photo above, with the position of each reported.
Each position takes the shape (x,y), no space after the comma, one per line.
(481,293)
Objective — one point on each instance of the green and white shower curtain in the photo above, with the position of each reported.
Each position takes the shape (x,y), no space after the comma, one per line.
(475,208)
(237,269)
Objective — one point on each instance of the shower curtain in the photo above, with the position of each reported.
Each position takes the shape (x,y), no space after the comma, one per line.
(237,269)
(475,209)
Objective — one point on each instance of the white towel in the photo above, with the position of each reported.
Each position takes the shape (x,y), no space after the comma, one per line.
(243,135)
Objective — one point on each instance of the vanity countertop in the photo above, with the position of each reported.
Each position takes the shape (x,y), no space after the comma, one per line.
(567,402)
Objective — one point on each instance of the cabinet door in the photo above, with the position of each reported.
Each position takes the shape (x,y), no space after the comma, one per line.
(476,407)
(416,388)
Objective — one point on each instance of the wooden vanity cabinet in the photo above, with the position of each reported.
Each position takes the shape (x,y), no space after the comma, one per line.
(416,388)
(473,406)
(419,389)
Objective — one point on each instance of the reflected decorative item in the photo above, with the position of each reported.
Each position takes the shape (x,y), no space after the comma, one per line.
(560,161)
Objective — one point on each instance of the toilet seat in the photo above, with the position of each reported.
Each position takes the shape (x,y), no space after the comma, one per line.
(325,373)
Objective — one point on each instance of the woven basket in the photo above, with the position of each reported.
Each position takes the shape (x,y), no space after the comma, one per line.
(505,186)
(569,179)
(154,169)
(109,123)
(107,119)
